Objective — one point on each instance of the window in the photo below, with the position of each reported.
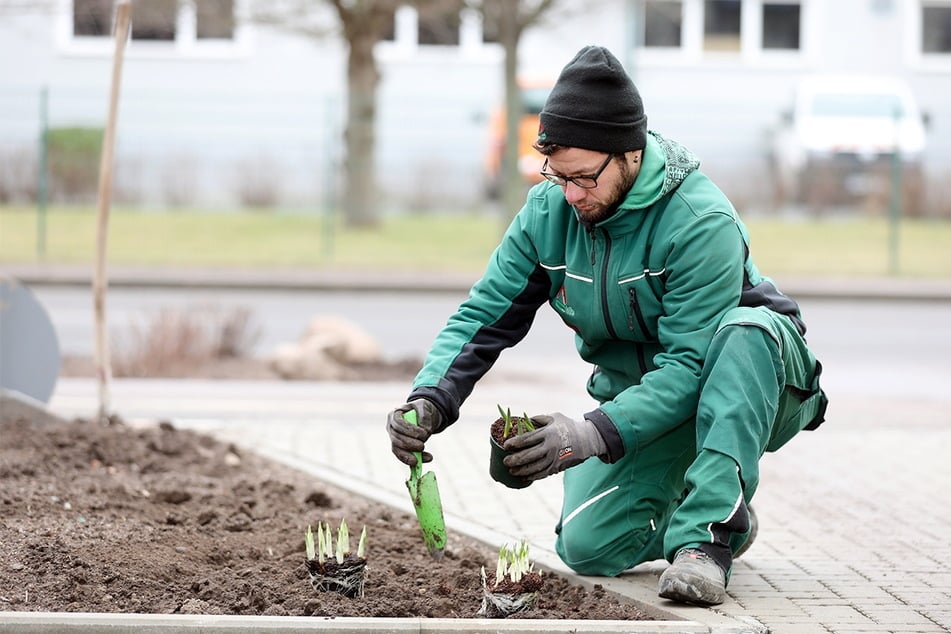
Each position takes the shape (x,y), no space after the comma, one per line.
(663,23)
(781,26)
(748,30)
(92,18)
(721,25)
(435,26)
(389,29)
(490,28)
(172,21)
(936,28)
(155,20)
(439,28)
(214,19)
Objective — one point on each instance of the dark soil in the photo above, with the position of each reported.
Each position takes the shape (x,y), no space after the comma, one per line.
(117,518)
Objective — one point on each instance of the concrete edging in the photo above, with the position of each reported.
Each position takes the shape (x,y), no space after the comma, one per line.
(92,623)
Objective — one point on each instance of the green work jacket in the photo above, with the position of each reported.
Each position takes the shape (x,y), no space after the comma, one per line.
(644,292)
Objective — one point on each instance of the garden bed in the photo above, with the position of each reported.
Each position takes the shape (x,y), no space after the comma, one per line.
(123,519)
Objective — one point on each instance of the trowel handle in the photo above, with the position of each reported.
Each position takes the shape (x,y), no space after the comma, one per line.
(416,470)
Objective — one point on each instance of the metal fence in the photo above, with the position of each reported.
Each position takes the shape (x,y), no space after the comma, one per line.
(219,150)
(227,150)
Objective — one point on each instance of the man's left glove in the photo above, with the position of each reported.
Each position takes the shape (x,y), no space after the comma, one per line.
(406,438)
(557,443)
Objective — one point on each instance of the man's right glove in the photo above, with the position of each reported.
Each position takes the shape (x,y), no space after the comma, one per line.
(557,443)
(406,438)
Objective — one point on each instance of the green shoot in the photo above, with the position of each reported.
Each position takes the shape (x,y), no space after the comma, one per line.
(343,541)
(362,546)
(525,425)
(324,548)
(507,419)
(502,565)
(309,543)
(513,562)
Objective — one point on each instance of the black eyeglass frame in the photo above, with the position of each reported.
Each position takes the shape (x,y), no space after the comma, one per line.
(562,181)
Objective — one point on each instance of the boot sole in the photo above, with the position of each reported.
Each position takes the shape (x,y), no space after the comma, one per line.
(697,591)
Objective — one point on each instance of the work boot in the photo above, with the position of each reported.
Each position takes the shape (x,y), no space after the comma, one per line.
(754,527)
(693,578)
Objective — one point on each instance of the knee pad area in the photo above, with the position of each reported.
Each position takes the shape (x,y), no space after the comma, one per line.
(587,554)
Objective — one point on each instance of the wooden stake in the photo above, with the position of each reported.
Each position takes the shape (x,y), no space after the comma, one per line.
(103,363)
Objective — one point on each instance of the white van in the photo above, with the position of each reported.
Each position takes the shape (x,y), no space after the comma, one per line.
(838,140)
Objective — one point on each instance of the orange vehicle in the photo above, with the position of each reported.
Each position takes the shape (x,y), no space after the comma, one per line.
(533,96)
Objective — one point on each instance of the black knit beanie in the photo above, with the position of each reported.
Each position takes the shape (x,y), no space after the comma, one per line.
(594,105)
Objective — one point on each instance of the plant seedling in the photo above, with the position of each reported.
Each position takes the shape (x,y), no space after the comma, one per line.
(332,567)
(501,429)
(513,563)
(521,425)
(515,585)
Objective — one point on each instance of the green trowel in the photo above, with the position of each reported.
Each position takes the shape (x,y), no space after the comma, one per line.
(424,493)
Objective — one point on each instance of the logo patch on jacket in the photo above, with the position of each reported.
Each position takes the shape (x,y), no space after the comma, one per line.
(560,304)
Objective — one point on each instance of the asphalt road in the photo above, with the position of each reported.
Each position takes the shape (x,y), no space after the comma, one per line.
(878,348)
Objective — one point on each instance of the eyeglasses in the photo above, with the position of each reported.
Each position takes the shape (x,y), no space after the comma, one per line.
(588,181)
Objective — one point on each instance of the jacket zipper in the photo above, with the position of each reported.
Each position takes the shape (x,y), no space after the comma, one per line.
(635,311)
(642,363)
(604,283)
(594,239)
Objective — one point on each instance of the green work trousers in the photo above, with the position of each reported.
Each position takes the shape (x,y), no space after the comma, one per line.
(691,486)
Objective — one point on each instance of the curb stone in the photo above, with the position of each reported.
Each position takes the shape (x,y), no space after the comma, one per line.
(90,623)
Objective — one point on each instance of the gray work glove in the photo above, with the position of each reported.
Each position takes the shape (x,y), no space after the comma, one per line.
(406,438)
(557,443)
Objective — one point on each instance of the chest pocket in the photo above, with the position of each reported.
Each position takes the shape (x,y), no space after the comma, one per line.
(641,295)
(643,290)
(574,301)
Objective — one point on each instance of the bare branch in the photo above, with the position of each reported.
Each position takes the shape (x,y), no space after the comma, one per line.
(532,15)
(292,16)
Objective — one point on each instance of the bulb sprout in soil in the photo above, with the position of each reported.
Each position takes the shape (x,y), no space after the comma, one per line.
(515,587)
(513,563)
(522,425)
(335,568)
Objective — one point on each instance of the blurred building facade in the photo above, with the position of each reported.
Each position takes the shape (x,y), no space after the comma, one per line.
(217,110)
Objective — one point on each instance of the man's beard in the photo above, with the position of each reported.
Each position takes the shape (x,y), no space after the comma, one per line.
(618,194)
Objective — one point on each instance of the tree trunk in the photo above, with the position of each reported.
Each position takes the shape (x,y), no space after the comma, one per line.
(359,196)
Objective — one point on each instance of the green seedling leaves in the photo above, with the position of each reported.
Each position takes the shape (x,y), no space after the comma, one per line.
(522,426)
(324,548)
(513,562)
